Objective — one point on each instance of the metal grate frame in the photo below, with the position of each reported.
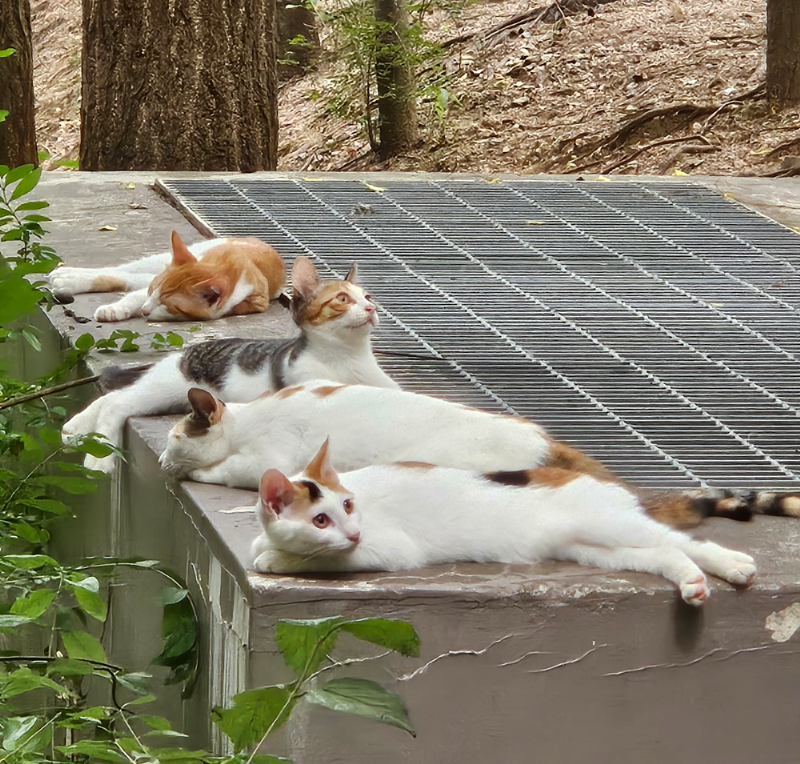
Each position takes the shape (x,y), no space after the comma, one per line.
(653,325)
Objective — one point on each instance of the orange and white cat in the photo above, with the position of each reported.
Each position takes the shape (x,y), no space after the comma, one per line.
(210,279)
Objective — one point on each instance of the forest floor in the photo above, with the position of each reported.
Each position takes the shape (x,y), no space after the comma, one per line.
(628,86)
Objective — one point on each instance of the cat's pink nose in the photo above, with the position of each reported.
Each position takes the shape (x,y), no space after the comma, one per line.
(354,537)
(369,309)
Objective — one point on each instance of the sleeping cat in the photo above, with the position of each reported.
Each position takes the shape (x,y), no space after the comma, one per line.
(335,319)
(405,516)
(211,279)
(233,444)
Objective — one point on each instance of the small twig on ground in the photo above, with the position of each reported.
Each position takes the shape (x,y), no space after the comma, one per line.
(655,144)
(673,157)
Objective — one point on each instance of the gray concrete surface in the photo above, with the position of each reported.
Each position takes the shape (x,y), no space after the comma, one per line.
(551,662)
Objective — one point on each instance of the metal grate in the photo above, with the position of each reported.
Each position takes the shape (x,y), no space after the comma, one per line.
(655,326)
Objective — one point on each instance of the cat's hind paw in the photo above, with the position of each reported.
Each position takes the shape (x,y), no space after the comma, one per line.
(741,569)
(65,282)
(695,592)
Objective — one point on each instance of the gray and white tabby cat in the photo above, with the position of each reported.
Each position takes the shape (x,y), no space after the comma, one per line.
(335,319)
(405,516)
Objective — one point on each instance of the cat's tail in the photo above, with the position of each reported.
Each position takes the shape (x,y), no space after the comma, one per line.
(117,377)
(687,508)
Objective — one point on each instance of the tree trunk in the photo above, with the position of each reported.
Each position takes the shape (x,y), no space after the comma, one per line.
(18,131)
(179,85)
(296,37)
(783,51)
(394,76)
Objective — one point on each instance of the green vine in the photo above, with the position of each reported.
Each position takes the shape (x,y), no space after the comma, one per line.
(62,698)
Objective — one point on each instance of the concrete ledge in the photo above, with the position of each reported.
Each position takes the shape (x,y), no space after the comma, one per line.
(551,662)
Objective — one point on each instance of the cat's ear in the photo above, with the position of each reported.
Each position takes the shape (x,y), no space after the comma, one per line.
(206,409)
(180,252)
(276,492)
(305,279)
(320,469)
(352,274)
(210,293)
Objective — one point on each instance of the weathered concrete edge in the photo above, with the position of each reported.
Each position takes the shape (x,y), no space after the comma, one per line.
(549,581)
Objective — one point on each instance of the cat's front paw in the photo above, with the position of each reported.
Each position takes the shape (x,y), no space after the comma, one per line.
(83,422)
(113,311)
(695,592)
(65,282)
(101,464)
(266,562)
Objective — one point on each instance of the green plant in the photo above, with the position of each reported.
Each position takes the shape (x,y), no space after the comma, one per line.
(62,698)
(306,647)
(355,36)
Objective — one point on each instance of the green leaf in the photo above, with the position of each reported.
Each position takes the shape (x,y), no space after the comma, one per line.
(49,505)
(86,592)
(34,604)
(135,681)
(83,646)
(37,218)
(363,697)
(25,206)
(25,735)
(102,750)
(69,667)
(29,561)
(84,342)
(396,635)
(95,447)
(6,52)
(171,595)
(74,485)
(156,722)
(17,296)
(12,621)
(27,184)
(24,680)
(12,176)
(305,644)
(253,713)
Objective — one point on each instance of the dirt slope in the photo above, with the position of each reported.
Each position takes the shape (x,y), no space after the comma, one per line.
(535,97)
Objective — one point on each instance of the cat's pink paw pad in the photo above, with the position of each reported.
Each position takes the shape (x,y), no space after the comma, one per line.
(695,592)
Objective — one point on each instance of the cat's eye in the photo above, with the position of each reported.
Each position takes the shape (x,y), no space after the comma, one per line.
(348,505)
(321,520)
(368,297)
(344,297)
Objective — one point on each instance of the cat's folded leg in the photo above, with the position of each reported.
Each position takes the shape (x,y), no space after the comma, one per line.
(669,562)
(732,566)
(126,307)
(235,472)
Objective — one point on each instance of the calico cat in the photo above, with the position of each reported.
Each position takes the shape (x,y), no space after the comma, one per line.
(335,320)
(211,279)
(233,444)
(405,516)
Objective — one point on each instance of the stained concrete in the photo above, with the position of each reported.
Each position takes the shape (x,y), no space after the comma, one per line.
(550,662)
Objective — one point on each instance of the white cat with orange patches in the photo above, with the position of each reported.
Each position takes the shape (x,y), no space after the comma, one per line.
(233,444)
(210,279)
(402,517)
